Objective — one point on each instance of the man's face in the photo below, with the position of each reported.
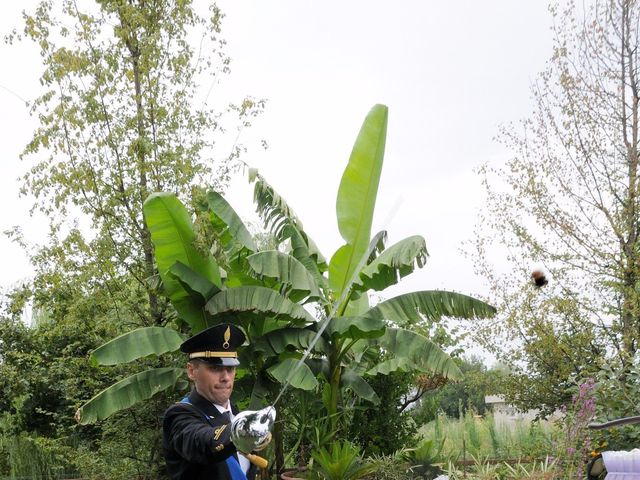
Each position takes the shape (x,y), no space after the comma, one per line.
(213,382)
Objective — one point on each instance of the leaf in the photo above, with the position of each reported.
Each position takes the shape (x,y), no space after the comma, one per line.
(198,287)
(286,270)
(260,393)
(395,262)
(127,393)
(359,385)
(319,366)
(298,374)
(273,209)
(172,236)
(414,307)
(357,197)
(392,365)
(137,344)
(278,341)
(419,352)
(377,245)
(258,300)
(233,232)
(300,250)
(355,327)
(280,219)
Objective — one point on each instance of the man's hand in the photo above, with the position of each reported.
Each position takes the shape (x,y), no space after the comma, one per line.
(263,444)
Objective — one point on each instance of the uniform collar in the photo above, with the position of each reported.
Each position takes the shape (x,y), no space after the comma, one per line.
(206,406)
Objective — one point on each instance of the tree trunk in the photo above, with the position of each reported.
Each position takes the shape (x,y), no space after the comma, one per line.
(149,269)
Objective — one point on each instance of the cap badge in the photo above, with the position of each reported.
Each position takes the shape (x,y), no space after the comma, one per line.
(227,337)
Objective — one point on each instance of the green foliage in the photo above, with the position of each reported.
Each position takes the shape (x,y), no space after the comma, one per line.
(414,352)
(355,265)
(340,461)
(307,427)
(33,457)
(137,344)
(425,458)
(128,392)
(356,202)
(116,452)
(173,238)
(521,440)
(283,371)
(264,293)
(522,470)
(382,432)
(44,376)
(454,399)
(574,446)
(393,466)
(352,335)
(618,389)
(120,116)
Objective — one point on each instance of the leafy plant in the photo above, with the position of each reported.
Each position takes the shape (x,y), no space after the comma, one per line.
(425,457)
(385,434)
(394,466)
(521,440)
(340,461)
(616,397)
(273,293)
(543,470)
(574,445)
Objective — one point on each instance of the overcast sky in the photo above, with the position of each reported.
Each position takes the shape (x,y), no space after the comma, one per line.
(450,73)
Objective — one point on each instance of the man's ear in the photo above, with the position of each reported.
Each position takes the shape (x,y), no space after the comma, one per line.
(191,368)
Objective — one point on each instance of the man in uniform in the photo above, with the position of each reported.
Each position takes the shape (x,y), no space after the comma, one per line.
(196,431)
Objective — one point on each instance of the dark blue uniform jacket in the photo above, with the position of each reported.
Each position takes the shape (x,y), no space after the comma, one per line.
(197,444)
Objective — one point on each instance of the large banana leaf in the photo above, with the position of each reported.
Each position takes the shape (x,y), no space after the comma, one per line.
(359,385)
(355,327)
(414,307)
(357,302)
(419,352)
(127,393)
(277,341)
(287,271)
(259,300)
(232,231)
(198,287)
(377,245)
(272,208)
(319,366)
(299,375)
(173,238)
(357,197)
(395,262)
(280,219)
(137,344)
(301,250)
(260,392)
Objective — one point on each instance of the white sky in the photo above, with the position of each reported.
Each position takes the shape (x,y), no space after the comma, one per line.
(450,72)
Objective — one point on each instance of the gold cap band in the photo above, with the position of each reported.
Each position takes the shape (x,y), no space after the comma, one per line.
(209,354)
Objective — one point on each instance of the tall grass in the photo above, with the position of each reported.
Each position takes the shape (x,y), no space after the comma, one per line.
(471,437)
(28,457)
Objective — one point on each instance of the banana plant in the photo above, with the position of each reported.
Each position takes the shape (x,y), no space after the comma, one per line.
(348,325)
(271,293)
(201,293)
